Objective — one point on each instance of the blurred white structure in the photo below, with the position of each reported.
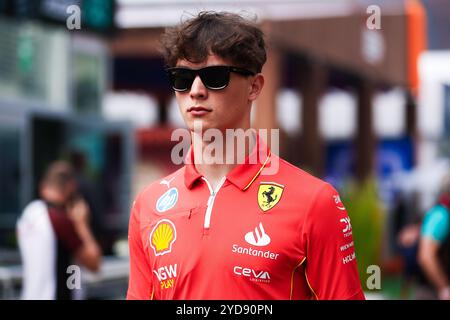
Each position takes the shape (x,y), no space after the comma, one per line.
(433,163)
(337,115)
(140,110)
(425,181)
(434,70)
(289,111)
(389,113)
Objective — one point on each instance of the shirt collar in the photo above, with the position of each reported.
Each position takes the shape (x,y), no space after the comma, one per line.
(243,175)
(190,172)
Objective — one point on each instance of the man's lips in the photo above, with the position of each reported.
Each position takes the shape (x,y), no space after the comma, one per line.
(198,110)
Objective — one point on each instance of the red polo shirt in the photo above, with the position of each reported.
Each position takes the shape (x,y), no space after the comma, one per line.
(262,234)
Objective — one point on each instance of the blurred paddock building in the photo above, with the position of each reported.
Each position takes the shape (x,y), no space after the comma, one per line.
(354,100)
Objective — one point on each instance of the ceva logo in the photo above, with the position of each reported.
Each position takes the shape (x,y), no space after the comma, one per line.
(167,200)
(252,275)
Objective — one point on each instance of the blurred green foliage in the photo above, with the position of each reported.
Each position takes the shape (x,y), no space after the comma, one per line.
(367,214)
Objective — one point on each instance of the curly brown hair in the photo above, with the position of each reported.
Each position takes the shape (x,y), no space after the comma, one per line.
(225,34)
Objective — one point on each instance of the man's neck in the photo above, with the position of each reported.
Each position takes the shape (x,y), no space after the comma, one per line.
(55,205)
(214,160)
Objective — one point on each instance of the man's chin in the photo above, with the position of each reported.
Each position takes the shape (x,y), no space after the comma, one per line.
(200,126)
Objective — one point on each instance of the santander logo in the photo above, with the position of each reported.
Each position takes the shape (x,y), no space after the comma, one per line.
(258,237)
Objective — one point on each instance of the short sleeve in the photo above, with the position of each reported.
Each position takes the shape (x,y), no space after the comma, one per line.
(331,270)
(436,224)
(140,283)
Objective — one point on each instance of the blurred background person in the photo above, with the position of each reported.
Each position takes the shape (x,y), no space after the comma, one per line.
(367,109)
(51,232)
(434,248)
(408,242)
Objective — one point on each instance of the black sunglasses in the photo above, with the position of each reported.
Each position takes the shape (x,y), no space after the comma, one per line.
(213,77)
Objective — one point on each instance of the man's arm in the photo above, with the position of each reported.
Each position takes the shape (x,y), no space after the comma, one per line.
(140,285)
(331,270)
(89,253)
(429,261)
(435,229)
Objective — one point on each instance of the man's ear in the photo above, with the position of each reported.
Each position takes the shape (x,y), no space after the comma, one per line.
(256,87)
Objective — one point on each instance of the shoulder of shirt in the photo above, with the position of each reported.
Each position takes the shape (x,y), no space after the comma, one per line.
(32,213)
(438,212)
(32,208)
(178,177)
(299,178)
(315,195)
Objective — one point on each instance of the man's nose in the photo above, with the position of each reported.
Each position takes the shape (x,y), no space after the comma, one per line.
(198,89)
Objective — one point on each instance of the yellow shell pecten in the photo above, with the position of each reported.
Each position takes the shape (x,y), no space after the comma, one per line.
(163,236)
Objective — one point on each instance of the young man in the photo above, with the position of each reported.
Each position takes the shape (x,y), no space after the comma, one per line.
(434,249)
(51,232)
(218,229)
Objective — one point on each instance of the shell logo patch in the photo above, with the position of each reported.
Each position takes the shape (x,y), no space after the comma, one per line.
(269,194)
(162,237)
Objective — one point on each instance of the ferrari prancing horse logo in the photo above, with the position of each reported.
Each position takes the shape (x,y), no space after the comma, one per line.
(269,194)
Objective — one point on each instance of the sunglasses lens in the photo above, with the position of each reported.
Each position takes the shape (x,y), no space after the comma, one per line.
(181,79)
(216,77)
